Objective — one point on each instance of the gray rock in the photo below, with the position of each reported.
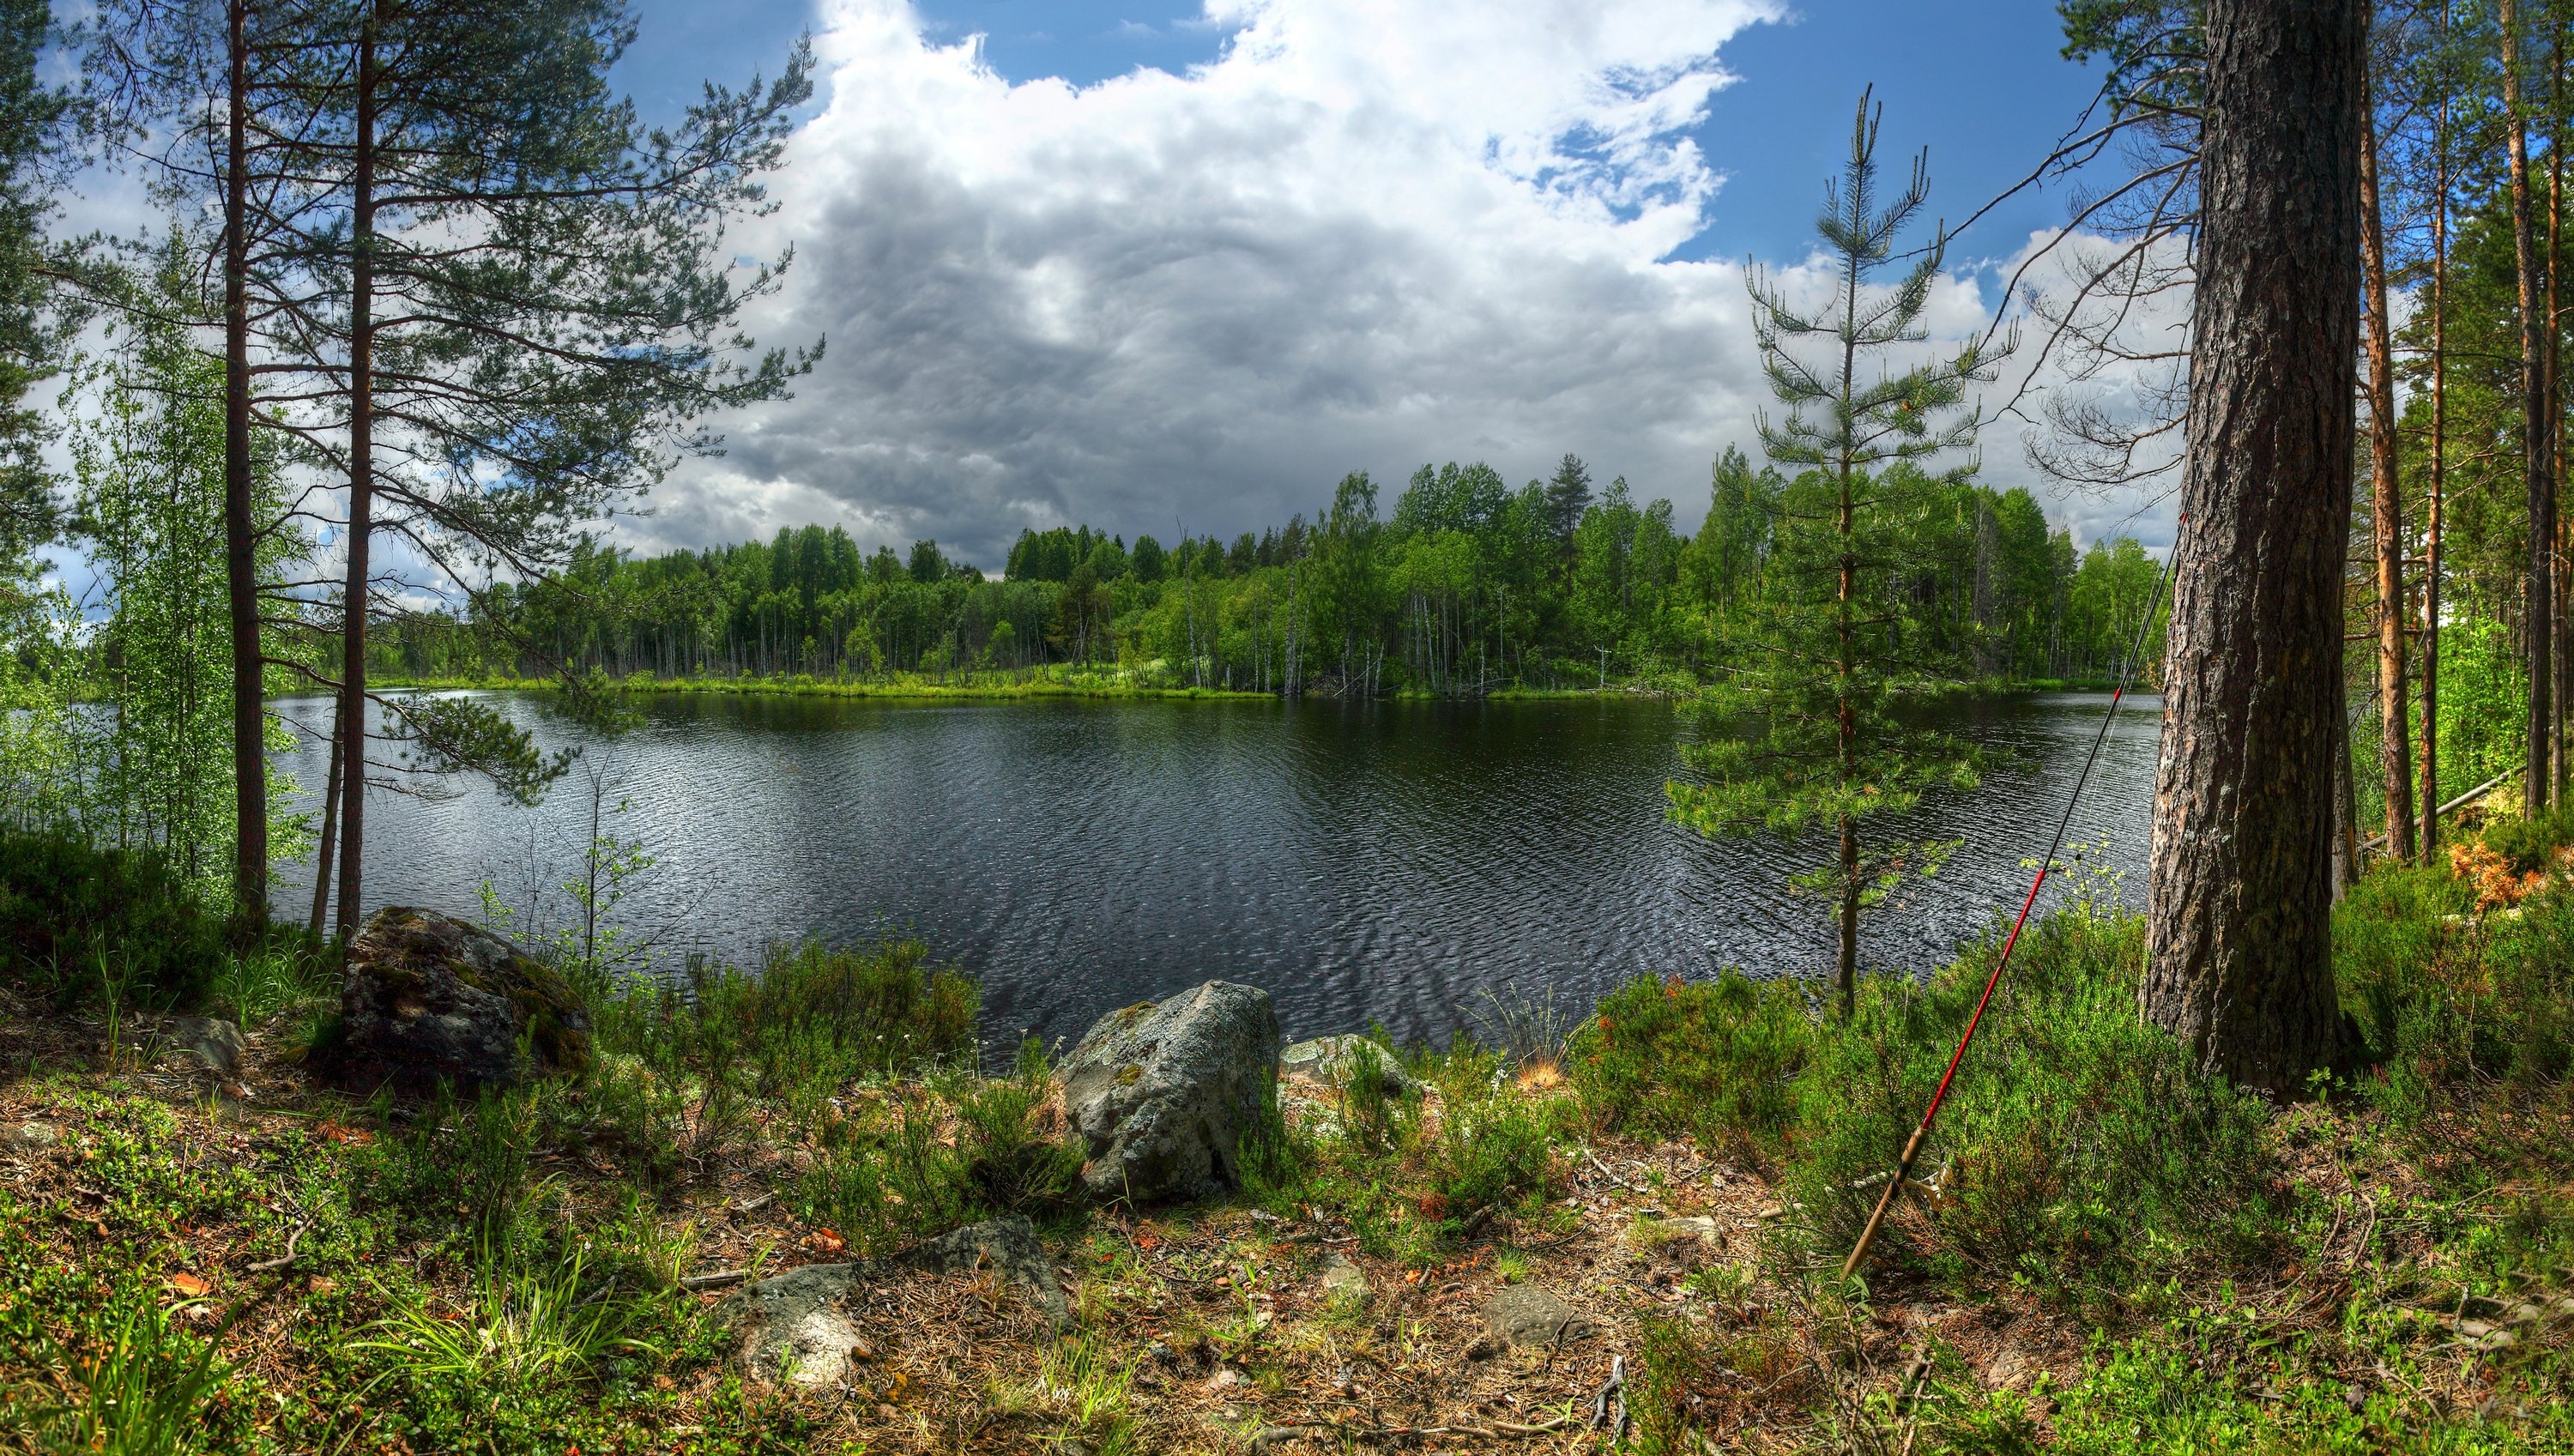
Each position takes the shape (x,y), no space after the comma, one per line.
(798,1327)
(1162,1095)
(1344,1281)
(802,1327)
(1009,1246)
(215,1044)
(28,1139)
(428,1000)
(1331,1060)
(1523,1315)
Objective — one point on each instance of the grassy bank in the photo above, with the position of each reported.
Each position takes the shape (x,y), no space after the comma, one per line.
(1052,681)
(2109,1252)
(1104,682)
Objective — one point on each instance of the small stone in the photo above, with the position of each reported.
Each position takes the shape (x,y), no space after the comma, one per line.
(28,1137)
(1344,1280)
(1524,1314)
(1007,1247)
(1771,1210)
(798,1324)
(1332,1061)
(1700,1227)
(215,1044)
(1224,1378)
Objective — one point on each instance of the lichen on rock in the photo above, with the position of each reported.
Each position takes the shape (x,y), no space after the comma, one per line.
(427,998)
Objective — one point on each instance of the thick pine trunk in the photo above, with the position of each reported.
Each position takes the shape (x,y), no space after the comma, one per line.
(240,543)
(2240,968)
(2387,505)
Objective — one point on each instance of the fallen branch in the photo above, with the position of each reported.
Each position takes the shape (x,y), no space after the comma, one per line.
(2471,794)
(720,1279)
(1604,1171)
(1600,1404)
(264,1266)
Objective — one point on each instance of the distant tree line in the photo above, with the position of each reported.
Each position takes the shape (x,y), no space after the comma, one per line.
(1466,586)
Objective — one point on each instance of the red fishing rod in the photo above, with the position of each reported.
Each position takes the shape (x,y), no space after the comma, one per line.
(1921,1133)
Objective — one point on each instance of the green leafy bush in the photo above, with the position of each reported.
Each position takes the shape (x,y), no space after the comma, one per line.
(67,909)
(2077,1140)
(1716,1059)
(2449,1000)
(2076,1144)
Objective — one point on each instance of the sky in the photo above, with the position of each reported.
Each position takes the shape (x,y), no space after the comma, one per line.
(1167,267)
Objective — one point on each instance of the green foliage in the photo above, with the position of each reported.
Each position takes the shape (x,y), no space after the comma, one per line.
(2451,1002)
(1010,1165)
(1711,1059)
(140,1389)
(67,908)
(1470,587)
(1494,1148)
(534,1321)
(890,1174)
(2076,1147)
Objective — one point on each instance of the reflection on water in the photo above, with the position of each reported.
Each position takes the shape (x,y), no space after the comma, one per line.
(1384,862)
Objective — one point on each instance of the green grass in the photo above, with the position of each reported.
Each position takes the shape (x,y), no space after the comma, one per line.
(504,1274)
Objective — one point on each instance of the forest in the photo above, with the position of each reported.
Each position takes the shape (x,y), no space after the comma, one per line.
(1464,588)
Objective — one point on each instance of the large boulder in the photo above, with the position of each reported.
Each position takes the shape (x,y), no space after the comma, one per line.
(1163,1093)
(428,1000)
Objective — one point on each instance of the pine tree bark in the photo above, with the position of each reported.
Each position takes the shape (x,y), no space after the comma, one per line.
(2395,769)
(241,542)
(362,475)
(2432,565)
(2537,435)
(2240,965)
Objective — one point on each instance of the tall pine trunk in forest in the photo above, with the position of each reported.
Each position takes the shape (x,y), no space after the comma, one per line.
(2241,964)
(2386,505)
(241,545)
(2430,798)
(362,479)
(2538,613)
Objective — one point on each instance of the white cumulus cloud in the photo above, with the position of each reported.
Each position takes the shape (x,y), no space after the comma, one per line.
(1365,237)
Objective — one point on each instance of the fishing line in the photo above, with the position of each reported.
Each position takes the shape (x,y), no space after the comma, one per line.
(1912,1148)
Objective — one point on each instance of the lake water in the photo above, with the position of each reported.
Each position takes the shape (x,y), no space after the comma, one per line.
(1384,862)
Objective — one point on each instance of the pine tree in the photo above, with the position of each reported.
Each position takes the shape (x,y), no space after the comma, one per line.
(1568,496)
(1830,746)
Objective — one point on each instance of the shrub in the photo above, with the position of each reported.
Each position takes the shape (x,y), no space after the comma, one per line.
(1717,1059)
(2450,1000)
(1493,1148)
(533,1321)
(1009,1166)
(67,907)
(2078,1142)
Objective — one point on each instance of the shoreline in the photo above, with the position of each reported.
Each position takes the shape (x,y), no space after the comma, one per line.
(909,689)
